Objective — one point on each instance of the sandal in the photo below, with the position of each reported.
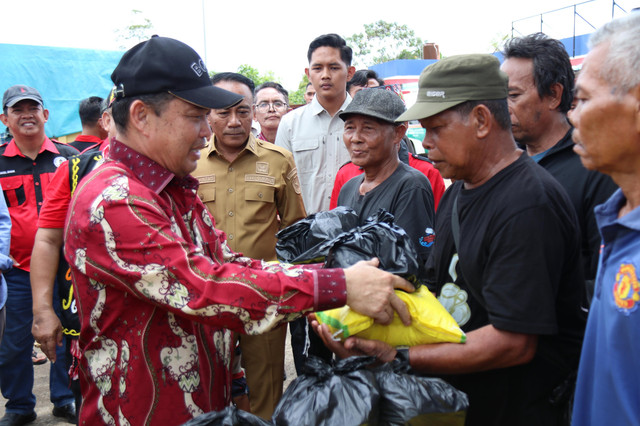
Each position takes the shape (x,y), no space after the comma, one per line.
(38,357)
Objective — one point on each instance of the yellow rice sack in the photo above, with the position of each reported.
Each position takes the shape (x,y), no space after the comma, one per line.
(430,323)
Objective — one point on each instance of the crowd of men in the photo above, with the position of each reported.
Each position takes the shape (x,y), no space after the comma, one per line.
(144,265)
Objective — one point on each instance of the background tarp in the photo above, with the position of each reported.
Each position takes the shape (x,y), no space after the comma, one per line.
(63,76)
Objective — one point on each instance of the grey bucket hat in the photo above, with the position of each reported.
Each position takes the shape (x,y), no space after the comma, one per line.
(382,104)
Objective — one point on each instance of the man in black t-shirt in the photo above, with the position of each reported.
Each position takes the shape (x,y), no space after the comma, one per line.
(372,139)
(540,94)
(506,258)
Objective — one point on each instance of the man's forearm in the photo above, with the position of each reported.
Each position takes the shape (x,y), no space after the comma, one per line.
(486,348)
(44,265)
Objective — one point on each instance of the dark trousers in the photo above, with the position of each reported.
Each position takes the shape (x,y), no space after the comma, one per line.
(16,366)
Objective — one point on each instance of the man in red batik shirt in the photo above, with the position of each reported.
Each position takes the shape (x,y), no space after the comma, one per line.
(157,288)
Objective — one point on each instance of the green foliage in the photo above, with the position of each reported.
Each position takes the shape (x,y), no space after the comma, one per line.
(297,97)
(384,41)
(139,29)
(255,75)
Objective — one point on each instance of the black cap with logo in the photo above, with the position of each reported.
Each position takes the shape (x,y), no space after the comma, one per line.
(162,64)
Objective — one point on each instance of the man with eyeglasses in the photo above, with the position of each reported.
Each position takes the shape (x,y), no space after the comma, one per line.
(271,103)
(251,188)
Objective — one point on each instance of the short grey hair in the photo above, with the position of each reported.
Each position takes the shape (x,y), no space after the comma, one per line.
(620,67)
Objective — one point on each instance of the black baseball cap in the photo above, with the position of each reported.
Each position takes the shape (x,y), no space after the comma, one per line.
(162,64)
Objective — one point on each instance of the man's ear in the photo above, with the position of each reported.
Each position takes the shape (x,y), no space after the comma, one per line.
(635,92)
(482,120)
(399,131)
(350,72)
(139,113)
(45,112)
(306,72)
(3,118)
(555,97)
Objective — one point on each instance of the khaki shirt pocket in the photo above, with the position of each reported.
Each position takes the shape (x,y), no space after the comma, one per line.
(260,203)
(207,193)
(306,155)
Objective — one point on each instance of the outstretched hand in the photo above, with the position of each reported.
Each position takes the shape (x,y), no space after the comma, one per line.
(354,346)
(370,292)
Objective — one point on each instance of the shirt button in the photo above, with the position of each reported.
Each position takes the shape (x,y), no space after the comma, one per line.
(230,190)
(230,213)
(230,169)
(260,195)
(37,183)
(230,236)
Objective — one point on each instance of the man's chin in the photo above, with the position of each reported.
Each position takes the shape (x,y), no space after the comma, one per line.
(585,159)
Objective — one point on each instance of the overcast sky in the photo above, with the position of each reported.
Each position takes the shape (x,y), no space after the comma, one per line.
(274,35)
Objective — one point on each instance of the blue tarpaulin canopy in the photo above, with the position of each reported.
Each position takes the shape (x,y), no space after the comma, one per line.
(63,76)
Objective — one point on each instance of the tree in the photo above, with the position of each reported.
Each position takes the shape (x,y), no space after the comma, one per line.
(297,97)
(255,75)
(384,41)
(138,30)
(252,73)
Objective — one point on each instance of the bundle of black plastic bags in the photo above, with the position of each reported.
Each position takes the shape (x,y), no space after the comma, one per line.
(352,393)
(306,240)
(335,238)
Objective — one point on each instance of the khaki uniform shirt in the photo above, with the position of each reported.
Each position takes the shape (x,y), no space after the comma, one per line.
(253,197)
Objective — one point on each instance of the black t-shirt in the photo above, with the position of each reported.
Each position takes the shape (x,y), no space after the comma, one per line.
(519,269)
(586,189)
(406,194)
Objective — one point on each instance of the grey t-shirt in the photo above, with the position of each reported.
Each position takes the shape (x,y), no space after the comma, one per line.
(406,194)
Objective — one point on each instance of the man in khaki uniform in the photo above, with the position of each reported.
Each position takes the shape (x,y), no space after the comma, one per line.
(251,188)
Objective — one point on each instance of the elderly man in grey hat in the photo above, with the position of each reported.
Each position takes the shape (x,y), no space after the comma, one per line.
(505,261)
(372,138)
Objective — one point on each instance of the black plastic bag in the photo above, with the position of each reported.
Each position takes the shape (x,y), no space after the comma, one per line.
(408,399)
(230,416)
(344,395)
(306,240)
(380,238)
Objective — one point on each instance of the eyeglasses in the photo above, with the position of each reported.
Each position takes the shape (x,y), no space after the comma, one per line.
(277,106)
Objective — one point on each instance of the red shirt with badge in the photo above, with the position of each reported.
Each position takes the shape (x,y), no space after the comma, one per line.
(24,182)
